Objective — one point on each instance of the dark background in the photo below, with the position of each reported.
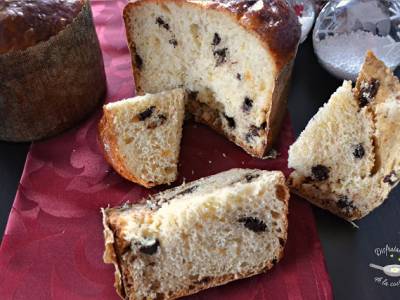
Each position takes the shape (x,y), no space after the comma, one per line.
(348,250)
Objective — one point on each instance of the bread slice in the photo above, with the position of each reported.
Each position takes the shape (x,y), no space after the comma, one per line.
(233,57)
(347,159)
(202,234)
(141,136)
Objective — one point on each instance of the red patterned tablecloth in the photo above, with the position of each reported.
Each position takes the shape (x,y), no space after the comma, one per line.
(53,243)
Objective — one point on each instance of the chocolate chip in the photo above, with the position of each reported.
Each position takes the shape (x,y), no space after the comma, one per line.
(247,104)
(216,39)
(187,191)
(138,61)
(231,121)
(344,203)
(173,42)
(253,224)
(368,91)
(319,173)
(192,95)
(391,178)
(162,23)
(149,246)
(359,151)
(274,261)
(250,177)
(238,76)
(147,113)
(253,132)
(282,242)
(220,56)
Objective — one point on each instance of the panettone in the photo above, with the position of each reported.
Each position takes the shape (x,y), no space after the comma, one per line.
(233,57)
(51,67)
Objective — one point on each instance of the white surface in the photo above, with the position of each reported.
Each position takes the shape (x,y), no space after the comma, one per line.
(343,54)
(306,24)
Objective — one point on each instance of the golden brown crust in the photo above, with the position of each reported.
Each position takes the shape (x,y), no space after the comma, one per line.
(108,142)
(374,69)
(110,254)
(25,23)
(49,87)
(327,204)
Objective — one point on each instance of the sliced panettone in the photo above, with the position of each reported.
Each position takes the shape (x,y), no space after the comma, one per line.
(347,160)
(234,58)
(141,136)
(202,234)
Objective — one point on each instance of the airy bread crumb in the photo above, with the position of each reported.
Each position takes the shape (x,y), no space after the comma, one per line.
(347,160)
(202,234)
(141,136)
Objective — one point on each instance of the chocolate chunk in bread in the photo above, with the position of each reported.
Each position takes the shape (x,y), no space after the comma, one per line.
(231,121)
(149,246)
(220,56)
(216,39)
(319,173)
(253,224)
(368,91)
(247,104)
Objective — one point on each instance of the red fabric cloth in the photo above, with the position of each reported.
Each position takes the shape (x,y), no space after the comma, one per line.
(53,244)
